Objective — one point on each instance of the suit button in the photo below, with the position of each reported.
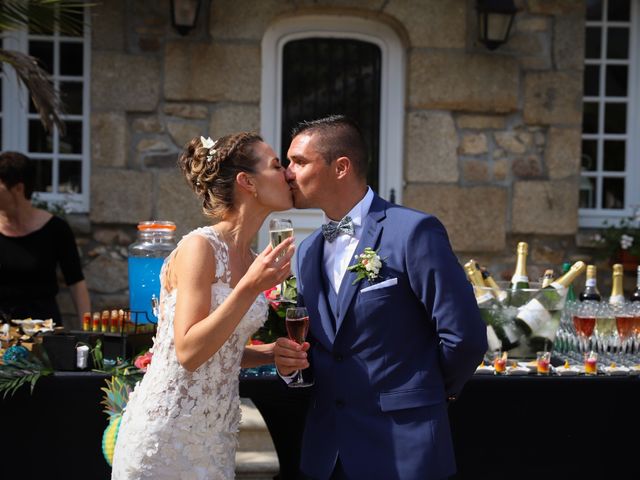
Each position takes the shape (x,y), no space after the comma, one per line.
(339,403)
(337,357)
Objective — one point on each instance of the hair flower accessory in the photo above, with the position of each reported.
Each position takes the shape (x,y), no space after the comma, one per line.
(210,144)
(368,265)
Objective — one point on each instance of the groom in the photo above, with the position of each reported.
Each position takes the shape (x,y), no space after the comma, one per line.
(388,350)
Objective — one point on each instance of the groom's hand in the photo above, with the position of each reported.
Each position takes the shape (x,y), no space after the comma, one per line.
(289,356)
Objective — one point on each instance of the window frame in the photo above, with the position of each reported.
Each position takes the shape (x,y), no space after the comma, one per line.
(16,106)
(595,217)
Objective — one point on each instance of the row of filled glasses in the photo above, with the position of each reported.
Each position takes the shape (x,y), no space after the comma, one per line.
(611,330)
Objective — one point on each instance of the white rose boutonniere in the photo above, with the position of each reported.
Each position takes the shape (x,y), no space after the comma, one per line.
(368,265)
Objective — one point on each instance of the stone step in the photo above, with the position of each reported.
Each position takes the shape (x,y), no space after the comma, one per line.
(253,435)
(256,465)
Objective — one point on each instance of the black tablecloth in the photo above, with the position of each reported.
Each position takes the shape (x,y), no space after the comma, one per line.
(503,427)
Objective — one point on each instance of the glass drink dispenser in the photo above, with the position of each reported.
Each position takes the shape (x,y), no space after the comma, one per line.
(156,239)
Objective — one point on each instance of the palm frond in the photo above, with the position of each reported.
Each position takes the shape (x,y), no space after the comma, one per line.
(40,16)
(43,95)
(22,372)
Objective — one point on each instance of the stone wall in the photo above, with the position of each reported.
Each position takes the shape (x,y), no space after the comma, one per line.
(492,139)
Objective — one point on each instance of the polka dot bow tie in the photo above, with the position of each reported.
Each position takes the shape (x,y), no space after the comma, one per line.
(331,230)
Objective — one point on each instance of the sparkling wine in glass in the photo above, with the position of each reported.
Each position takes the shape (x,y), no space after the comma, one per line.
(297,322)
(279,230)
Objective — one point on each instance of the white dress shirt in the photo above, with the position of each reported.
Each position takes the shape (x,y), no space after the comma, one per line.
(338,255)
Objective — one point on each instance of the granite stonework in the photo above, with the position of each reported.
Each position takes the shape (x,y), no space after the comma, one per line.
(491,138)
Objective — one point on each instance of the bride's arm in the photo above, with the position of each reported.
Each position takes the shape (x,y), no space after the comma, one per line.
(257,355)
(199,334)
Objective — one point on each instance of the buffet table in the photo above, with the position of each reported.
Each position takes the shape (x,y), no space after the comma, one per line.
(503,427)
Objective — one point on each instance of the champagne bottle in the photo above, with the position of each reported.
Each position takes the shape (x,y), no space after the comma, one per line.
(536,313)
(590,291)
(499,293)
(498,326)
(635,295)
(520,279)
(571,294)
(547,278)
(617,294)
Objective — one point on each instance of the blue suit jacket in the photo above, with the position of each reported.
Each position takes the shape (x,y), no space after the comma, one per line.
(385,361)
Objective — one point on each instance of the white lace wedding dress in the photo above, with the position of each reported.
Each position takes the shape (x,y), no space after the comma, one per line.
(180,424)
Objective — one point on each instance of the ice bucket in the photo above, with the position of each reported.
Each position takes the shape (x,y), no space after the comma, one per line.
(523,321)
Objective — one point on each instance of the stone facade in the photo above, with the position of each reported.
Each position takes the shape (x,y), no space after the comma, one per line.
(492,139)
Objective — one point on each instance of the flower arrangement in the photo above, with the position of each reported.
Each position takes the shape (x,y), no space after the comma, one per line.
(622,236)
(368,265)
(275,327)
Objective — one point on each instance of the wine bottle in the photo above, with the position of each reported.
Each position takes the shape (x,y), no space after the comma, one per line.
(571,294)
(590,291)
(498,326)
(635,295)
(617,294)
(520,279)
(499,293)
(537,312)
(547,278)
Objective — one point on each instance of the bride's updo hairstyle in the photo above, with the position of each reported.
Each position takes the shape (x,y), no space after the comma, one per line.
(211,169)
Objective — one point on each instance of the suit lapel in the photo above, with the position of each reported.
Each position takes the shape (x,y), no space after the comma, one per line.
(372,228)
(312,274)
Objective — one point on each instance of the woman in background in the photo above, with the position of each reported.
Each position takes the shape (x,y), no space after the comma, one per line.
(33,243)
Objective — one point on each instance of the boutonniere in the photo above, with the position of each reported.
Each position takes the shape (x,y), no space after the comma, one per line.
(368,265)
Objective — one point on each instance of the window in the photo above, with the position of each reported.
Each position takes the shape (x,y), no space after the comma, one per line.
(323,76)
(62,160)
(610,145)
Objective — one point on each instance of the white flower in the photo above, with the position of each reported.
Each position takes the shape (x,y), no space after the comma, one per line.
(597,237)
(626,241)
(207,142)
(368,265)
(210,144)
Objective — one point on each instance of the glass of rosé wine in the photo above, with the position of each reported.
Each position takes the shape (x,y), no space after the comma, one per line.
(297,323)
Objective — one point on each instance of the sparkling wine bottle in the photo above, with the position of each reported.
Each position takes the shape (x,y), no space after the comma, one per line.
(590,291)
(499,293)
(547,278)
(635,295)
(520,279)
(538,311)
(617,294)
(498,325)
(571,294)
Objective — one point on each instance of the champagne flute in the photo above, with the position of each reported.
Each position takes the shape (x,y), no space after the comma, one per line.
(584,321)
(279,230)
(297,322)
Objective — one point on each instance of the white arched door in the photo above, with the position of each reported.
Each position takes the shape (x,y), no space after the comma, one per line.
(389,124)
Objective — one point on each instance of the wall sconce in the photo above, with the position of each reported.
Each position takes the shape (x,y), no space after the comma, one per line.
(184,14)
(495,18)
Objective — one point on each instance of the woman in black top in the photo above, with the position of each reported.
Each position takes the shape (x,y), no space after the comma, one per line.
(33,243)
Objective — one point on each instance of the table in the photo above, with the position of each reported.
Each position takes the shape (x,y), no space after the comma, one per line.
(503,427)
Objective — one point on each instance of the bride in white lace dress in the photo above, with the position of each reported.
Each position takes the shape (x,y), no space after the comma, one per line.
(182,419)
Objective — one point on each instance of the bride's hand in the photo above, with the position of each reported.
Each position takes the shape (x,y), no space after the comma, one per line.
(271,267)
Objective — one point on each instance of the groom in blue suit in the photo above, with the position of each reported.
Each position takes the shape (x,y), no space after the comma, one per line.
(390,349)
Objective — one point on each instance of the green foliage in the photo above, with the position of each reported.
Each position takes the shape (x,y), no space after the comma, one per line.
(623,235)
(23,372)
(275,327)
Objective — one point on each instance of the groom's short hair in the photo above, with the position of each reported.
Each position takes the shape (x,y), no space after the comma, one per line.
(341,137)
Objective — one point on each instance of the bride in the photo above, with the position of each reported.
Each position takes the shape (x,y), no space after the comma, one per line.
(181,420)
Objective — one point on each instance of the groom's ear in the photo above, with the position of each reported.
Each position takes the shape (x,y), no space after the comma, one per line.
(342,167)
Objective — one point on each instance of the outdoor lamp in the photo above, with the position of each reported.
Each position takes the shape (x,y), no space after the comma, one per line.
(184,14)
(495,18)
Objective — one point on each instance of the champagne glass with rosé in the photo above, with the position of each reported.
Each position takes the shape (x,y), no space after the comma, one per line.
(584,321)
(297,323)
(624,324)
